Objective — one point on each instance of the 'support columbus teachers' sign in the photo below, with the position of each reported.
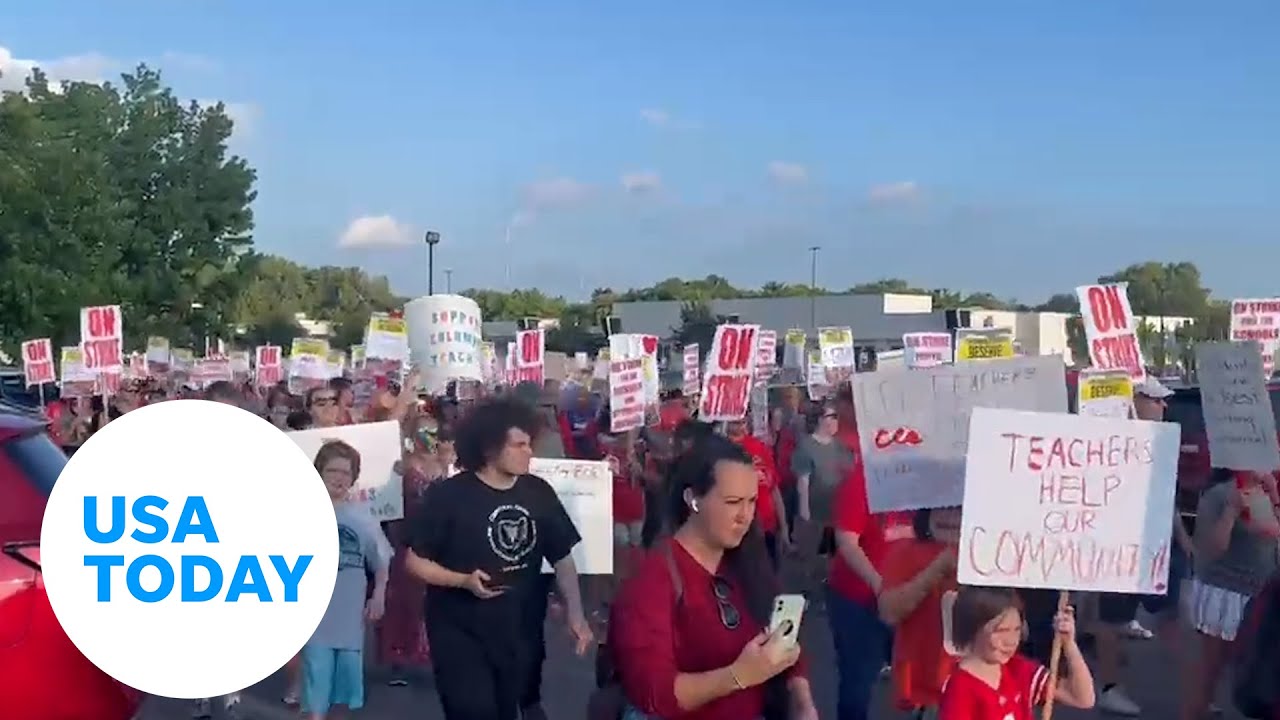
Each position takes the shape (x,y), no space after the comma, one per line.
(914,426)
(1068,502)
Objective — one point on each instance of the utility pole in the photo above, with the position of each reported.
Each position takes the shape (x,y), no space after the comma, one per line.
(448,281)
(813,287)
(432,239)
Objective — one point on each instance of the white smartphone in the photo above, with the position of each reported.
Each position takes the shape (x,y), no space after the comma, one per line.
(788,611)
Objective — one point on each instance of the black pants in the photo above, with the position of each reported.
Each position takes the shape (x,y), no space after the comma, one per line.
(535,625)
(655,506)
(477,678)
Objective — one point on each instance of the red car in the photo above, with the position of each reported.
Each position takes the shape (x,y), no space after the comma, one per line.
(42,674)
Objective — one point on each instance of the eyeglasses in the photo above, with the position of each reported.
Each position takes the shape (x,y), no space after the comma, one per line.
(729,616)
(323,401)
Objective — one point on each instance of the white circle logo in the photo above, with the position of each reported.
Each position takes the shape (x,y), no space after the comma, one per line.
(189,549)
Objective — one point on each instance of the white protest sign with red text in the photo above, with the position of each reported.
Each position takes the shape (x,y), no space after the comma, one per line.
(1258,321)
(692,371)
(1068,502)
(626,394)
(927,349)
(767,355)
(530,356)
(731,367)
(37,361)
(102,337)
(1111,329)
(269,360)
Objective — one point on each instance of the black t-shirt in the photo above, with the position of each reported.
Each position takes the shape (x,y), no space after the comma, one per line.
(466,525)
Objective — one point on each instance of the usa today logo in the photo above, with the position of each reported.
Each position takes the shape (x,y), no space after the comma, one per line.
(189,549)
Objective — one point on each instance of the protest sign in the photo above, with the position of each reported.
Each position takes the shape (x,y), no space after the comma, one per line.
(75,380)
(528,356)
(730,374)
(444,338)
(927,349)
(835,347)
(767,355)
(379,446)
(914,426)
(37,361)
(1104,393)
(1238,417)
(308,364)
(158,354)
(692,371)
(585,488)
(1258,321)
(1068,502)
(973,345)
(626,394)
(386,337)
(268,363)
(1111,329)
(102,337)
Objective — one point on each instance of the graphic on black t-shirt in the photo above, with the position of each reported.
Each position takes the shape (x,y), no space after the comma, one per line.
(513,533)
(350,554)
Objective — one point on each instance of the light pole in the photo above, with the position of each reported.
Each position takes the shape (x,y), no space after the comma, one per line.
(432,239)
(448,281)
(813,286)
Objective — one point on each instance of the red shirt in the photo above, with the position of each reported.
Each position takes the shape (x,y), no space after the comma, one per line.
(897,524)
(628,497)
(851,514)
(786,449)
(1022,687)
(767,475)
(654,637)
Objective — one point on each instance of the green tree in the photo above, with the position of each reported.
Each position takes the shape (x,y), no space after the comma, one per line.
(1163,288)
(118,194)
(697,325)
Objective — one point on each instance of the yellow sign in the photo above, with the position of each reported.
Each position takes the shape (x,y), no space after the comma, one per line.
(309,346)
(835,336)
(1106,387)
(984,348)
(72,356)
(388,325)
(796,337)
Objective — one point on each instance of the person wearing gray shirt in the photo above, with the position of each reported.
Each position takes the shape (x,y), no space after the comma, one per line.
(1234,559)
(820,463)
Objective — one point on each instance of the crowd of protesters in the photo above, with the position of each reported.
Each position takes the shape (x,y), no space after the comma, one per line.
(710,524)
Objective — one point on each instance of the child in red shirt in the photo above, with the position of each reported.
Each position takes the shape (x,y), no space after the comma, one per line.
(994,682)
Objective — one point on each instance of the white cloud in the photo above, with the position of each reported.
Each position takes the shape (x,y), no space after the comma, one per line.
(90,67)
(788,173)
(641,182)
(554,193)
(376,231)
(901,191)
(656,117)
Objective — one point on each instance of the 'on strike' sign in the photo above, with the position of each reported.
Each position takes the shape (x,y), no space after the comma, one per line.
(101,337)
(731,367)
(1068,502)
(1111,329)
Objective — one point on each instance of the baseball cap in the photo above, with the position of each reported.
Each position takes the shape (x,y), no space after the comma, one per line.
(1152,388)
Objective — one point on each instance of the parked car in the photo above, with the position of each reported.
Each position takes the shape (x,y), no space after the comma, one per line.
(43,676)
(14,390)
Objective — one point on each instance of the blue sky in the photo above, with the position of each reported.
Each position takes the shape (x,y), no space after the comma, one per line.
(1020,147)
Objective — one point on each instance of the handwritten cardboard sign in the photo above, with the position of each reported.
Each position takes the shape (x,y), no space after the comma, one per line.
(1238,417)
(37,361)
(102,337)
(914,426)
(585,488)
(731,367)
(1111,329)
(1068,502)
(379,447)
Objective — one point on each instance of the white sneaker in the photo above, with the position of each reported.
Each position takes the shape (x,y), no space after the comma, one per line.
(231,706)
(1137,632)
(1116,702)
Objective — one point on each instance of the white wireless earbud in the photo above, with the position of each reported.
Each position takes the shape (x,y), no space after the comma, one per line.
(694,504)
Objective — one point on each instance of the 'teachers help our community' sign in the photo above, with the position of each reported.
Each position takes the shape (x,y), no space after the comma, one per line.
(1068,502)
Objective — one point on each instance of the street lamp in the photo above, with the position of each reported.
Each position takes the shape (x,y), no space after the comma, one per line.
(432,239)
(448,281)
(813,286)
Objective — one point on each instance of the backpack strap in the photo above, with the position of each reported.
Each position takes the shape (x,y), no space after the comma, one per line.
(676,580)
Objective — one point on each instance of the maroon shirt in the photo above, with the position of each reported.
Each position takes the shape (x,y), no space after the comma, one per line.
(653,638)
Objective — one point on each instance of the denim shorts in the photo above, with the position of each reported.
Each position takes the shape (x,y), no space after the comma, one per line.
(331,677)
